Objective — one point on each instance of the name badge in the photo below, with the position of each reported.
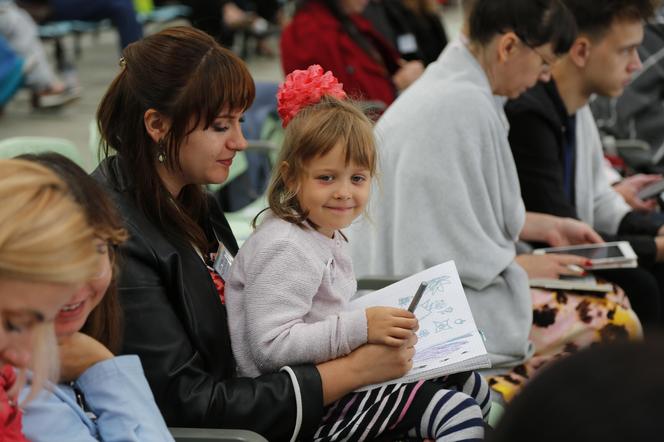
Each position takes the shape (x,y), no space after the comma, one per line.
(223,262)
(406,43)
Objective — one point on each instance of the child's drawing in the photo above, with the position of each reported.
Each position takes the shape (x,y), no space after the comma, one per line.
(442,325)
(433,312)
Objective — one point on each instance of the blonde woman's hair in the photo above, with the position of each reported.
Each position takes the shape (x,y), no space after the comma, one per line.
(313,132)
(44,238)
(45,363)
(44,235)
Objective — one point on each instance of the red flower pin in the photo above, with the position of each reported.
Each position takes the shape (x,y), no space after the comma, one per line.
(302,88)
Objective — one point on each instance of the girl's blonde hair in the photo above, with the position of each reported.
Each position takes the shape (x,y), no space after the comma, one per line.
(313,132)
(44,238)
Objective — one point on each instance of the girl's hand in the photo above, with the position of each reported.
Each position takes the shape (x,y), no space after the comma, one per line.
(79,352)
(552,266)
(389,325)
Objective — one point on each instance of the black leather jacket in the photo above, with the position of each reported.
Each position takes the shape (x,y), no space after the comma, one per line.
(176,324)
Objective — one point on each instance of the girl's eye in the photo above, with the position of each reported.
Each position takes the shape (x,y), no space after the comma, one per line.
(219,128)
(325,178)
(242,119)
(358,178)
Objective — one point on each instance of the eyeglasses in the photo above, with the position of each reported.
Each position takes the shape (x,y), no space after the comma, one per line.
(546,63)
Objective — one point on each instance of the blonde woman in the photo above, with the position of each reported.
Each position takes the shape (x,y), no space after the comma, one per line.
(99,396)
(46,252)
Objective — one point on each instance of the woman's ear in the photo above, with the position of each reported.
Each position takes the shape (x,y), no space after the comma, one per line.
(507,45)
(156,124)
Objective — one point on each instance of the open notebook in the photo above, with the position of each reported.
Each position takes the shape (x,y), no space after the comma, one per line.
(448,339)
(576,284)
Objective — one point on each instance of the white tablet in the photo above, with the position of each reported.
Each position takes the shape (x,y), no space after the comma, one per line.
(605,254)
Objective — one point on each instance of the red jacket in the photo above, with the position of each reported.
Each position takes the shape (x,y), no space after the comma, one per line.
(315,36)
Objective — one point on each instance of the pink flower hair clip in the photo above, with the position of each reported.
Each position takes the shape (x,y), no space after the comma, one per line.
(302,88)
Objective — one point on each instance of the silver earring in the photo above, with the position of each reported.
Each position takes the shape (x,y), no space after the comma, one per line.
(161,156)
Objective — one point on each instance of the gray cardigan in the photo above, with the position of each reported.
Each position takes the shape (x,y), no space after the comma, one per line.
(449,190)
(597,203)
(286,299)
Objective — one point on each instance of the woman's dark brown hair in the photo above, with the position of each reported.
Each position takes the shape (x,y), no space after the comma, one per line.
(186,76)
(105,321)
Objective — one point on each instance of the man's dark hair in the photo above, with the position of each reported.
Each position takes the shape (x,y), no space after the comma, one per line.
(536,22)
(609,392)
(595,17)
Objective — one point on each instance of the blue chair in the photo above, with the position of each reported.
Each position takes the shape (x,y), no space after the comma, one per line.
(264,103)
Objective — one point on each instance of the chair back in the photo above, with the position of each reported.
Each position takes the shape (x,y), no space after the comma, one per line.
(11,147)
(264,103)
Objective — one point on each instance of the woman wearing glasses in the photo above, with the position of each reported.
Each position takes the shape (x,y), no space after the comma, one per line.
(446,157)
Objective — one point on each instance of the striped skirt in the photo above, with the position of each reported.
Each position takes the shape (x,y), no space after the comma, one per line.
(453,406)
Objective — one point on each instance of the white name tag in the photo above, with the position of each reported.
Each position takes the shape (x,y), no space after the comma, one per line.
(406,43)
(223,262)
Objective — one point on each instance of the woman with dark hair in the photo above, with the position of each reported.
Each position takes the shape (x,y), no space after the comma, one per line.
(172,115)
(333,34)
(446,157)
(99,397)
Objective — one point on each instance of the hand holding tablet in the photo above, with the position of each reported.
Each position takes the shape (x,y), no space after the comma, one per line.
(608,255)
(651,191)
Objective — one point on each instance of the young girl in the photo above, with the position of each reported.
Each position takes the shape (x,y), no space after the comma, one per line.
(289,286)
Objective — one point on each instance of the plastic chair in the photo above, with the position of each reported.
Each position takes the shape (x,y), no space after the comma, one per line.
(265,102)
(240,220)
(497,411)
(636,153)
(11,147)
(214,435)
(163,14)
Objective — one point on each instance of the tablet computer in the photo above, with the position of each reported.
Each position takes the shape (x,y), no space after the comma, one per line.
(604,255)
(651,191)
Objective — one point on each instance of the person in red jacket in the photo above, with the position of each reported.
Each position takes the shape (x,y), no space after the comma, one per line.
(333,34)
